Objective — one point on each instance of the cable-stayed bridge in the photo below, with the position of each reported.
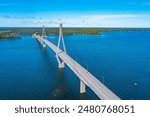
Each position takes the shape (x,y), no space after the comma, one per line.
(85,77)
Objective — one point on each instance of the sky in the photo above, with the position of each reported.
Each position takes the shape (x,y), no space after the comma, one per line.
(75,13)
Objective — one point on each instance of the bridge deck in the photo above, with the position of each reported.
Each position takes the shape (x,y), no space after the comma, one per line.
(100,89)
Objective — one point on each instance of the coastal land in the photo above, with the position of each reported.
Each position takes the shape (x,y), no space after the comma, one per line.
(15,33)
(8,35)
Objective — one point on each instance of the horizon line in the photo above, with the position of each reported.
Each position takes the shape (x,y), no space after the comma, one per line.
(71,27)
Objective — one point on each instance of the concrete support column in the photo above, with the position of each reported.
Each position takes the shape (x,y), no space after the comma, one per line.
(82,87)
(43,44)
(61,65)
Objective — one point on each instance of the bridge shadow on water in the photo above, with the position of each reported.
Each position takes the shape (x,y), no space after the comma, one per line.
(82,96)
(63,90)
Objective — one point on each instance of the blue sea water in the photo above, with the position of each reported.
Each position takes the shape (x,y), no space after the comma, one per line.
(121,60)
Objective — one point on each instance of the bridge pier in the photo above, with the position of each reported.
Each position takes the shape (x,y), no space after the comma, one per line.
(82,87)
(61,65)
(43,44)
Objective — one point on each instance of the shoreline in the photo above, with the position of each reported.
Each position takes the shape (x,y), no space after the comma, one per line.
(15,33)
(3,39)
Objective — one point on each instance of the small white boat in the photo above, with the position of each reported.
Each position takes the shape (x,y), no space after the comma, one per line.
(135,84)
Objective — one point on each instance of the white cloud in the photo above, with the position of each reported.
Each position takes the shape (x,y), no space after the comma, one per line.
(138,3)
(122,20)
(2,4)
(5,4)
(116,20)
(146,3)
(132,3)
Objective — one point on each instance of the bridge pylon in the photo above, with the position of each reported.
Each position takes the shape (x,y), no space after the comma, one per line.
(44,33)
(43,36)
(61,64)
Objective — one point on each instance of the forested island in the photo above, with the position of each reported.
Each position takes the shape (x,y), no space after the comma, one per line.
(15,33)
(8,35)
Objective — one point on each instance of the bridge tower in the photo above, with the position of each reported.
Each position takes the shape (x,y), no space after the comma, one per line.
(43,36)
(44,33)
(61,64)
